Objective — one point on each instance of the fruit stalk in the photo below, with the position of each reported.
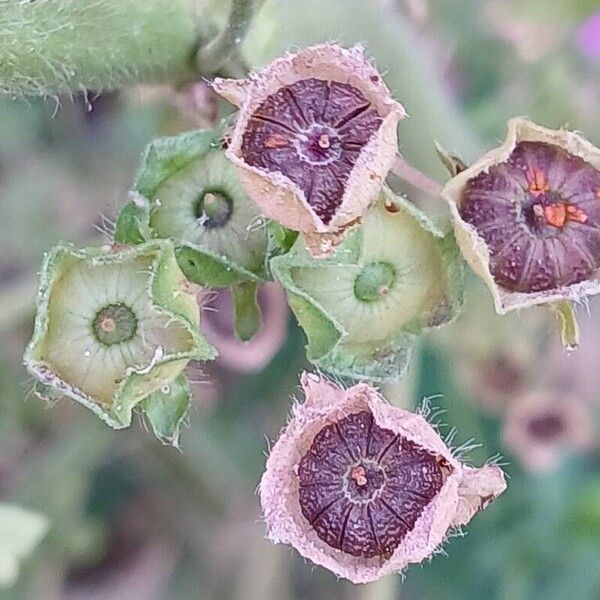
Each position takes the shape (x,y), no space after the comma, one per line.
(53,47)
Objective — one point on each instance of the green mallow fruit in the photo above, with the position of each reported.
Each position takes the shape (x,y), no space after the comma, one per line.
(113,326)
(390,279)
(187,190)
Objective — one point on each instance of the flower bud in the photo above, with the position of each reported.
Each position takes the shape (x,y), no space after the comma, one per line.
(527,216)
(364,488)
(113,326)
(314,139)
(362,307)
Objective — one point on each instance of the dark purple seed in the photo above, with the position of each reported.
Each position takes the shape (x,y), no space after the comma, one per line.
(538,214)
(359,537)
(312,132)
(363,487)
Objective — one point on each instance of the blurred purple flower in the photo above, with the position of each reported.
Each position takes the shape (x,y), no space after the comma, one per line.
(541,427)
(217,325)
(588,37)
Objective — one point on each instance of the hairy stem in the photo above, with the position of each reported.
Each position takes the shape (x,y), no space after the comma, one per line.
(51,47)
(414,177)
(213,56)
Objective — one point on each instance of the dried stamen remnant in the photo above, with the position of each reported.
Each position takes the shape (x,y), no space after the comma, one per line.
(312,131)
(539,215)
(362,487)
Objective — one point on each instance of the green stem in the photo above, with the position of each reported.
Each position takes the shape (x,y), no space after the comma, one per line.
(384,589)
(416,178)
(212,57)
(52,47)
(567,324)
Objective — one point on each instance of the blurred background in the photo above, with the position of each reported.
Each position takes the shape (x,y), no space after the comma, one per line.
(131,519)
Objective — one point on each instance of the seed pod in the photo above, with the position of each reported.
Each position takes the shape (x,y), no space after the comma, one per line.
(196,199)
(113,325)
(364,488)
(314,139)
(362,307)
(527,216)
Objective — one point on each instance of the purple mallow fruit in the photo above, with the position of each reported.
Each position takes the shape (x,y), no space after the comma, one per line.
(315,137)
(527,216)
(364,488)
(312,132)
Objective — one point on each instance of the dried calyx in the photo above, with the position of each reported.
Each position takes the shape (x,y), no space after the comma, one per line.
(542,427)
(364,488)
(527,216)
(315,137)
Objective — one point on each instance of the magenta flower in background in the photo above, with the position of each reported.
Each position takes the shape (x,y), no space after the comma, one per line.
(542,427)
(588,37)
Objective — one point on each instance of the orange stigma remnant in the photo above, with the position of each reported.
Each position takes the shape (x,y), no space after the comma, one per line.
(538,184)
(276,140)
(359,475)
(557,214)
(576,214)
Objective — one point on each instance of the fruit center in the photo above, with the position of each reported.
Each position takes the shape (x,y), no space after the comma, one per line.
(547,213)
(114,324)
(363,481)
(214,209)
(319,145)
(374,281)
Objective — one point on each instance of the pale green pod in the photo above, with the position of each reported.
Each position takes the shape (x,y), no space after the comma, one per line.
(113,325)
(196,200)
(362,307)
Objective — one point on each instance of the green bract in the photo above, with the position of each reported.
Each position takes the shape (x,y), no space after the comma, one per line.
(166,409)
(189,192)
(390,279)
(113,326)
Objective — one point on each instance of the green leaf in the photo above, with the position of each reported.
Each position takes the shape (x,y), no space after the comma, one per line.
(20,532)
(166,156)
(132,223)
(206,269)
(246,310)
(166,409)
